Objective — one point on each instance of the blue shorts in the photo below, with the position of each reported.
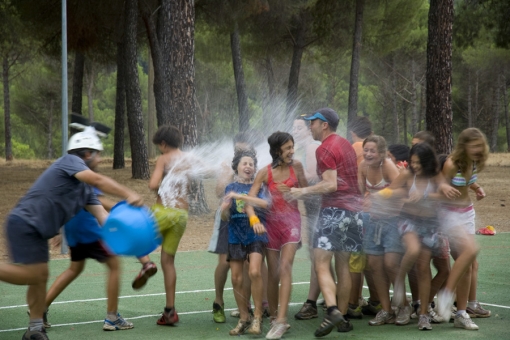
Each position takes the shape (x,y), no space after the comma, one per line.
(26,245)
(382,236)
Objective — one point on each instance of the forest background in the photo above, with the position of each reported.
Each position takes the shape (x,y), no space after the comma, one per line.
(248,64)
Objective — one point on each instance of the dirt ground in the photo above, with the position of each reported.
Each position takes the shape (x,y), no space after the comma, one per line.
(16,177)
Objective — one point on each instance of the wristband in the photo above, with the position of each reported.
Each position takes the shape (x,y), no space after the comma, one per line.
(254,220)
(386,193)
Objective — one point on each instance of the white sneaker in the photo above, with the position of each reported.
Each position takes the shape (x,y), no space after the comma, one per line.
(445,301)
(464,321)
(434,317)
(277,330)
(424,323)
(235,313)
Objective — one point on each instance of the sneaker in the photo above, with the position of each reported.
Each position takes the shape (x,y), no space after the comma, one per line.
(241,327)
(424,323)
(477,312)
(277,330)
(434,317)
(464,321)
(35,335)
(445,301)
(345,327)
(218,313)
(235,313)
(46,324)
(354,313)
(371,309)
(382,318)
(116,325)
(403,315)
(255,326)
(149,269)
(307,312)
(335,319)
(272,321)
(362,302)
(168,319)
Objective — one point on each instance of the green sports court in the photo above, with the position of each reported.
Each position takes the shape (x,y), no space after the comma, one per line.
(79,311)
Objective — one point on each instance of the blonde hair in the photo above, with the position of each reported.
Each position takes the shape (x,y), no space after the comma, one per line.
(380,142)
(459,156)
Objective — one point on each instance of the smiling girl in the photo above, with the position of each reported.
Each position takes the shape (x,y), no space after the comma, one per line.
(245,243)
(458,221)
(283,225)
(381,240)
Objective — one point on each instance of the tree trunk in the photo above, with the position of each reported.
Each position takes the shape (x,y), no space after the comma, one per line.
(423,107)
(355,62)
(414,100)
(90,95)
(120,110)
(469,102)
(79,66)
(404,119)
(495,116)
(270,106)
(439,114)
(476,112)
(297,55)
(242,98)
(7,109)
(507,118)
(161,86)
(396,130)
(140,162)
(151,112)
(182,87)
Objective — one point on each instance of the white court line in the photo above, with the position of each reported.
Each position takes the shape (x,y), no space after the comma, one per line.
(131,318)
(154,315)
(133,296)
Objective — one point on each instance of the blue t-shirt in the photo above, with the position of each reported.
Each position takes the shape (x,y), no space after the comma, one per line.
(239,230)
(83,227)
(56,196)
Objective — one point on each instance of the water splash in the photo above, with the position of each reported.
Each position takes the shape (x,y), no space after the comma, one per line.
(204,161)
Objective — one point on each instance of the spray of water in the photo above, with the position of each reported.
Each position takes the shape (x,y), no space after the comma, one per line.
(204,161)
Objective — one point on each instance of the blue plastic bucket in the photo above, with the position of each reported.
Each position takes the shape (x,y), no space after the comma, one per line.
(131,231)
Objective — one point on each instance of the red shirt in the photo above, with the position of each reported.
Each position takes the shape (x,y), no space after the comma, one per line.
(335,153)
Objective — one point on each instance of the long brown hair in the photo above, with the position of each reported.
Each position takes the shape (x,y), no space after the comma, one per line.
(459,156)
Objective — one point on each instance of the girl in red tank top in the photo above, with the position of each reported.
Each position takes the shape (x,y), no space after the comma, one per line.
(283,224)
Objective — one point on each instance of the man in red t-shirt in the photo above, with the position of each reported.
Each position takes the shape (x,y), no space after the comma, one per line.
(339,230)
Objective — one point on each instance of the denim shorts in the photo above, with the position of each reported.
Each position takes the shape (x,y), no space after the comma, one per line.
(382,236)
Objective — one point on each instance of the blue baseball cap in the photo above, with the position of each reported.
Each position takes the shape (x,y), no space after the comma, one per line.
(326,115)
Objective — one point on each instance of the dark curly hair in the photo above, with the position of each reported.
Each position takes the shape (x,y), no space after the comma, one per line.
(243,153)
(169,134)
(428,159)
(276,141)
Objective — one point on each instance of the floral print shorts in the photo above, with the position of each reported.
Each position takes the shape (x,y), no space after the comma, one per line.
(339,230)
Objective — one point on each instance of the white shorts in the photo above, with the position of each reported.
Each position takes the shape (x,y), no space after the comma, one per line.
(451,217)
